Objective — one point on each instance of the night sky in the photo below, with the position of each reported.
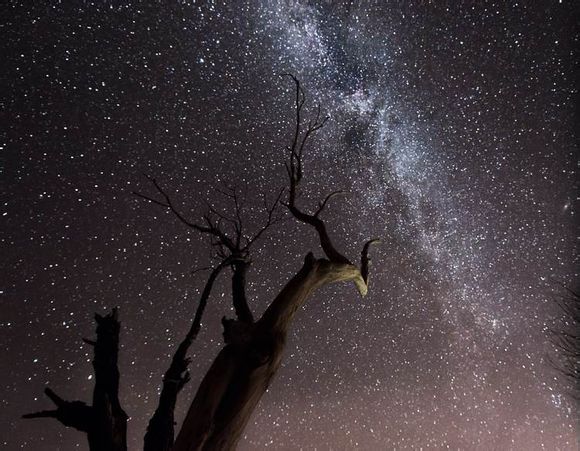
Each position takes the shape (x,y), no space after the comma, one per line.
(453,126)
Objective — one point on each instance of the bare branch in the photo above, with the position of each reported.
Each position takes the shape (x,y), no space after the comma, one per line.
(212,229)
(365,260)
(322,204)
(294,169)
(75,414)
(89,342)
(219,215)
(299,103)
(271,219)
(41,414)
(160,431)
(205,268)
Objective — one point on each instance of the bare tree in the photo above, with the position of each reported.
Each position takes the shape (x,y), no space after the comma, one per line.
(104,422)
(243,369)
(253,349)
(227,234)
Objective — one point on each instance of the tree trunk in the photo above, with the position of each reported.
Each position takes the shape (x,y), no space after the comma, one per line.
(109,431)
(105,421)
(243,369)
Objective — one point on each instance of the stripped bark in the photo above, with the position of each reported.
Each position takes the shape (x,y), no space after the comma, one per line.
(242,371)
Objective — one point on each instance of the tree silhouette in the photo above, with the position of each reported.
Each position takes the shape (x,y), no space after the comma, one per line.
(105,421)
(252,351)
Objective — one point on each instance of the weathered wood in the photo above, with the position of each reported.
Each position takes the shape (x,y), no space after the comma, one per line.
(109,431)
(253,350)
(240,375)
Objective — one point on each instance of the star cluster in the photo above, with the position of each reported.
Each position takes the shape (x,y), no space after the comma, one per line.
(453,128)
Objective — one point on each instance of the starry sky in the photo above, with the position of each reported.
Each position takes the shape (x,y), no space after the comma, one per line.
(453,127)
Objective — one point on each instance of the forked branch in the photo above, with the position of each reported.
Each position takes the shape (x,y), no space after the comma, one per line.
(271,218)
(75,414)
(294,167)
(237,245)
(210,227)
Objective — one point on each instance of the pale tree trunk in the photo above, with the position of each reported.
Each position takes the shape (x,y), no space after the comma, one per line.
(243,369)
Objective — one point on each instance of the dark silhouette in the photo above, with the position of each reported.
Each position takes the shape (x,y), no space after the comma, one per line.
(567,342)
(105,421)
(243,369)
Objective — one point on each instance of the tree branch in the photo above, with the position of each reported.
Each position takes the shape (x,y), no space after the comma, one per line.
(160,431)
(211,229)
(270,221)
(365,260)
(294,169)
(75,414)
(322,204)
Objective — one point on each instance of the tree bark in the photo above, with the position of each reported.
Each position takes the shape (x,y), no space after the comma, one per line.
(240,269)
(243,369)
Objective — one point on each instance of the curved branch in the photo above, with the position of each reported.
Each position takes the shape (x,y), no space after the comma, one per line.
(322,204)
(270,221)
(325,242)
(294,169)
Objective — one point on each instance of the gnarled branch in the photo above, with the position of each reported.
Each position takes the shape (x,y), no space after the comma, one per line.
(160,431)
(294,169)
(232,248)
(210,228)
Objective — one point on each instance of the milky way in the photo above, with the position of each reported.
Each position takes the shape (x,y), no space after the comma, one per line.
(453,129)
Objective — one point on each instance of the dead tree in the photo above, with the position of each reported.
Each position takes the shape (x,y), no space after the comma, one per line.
(104,422)
(253,349)
(243,369)
(232,249)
